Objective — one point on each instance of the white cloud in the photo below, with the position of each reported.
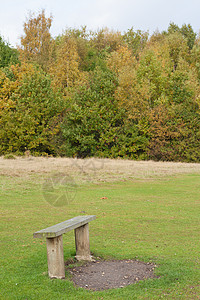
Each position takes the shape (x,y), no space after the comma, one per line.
(115,14)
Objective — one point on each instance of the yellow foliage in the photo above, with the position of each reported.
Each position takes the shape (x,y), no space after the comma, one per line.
(120,59)
(8,86)
(65,68)
(129,93)
(36,44)
(105,38)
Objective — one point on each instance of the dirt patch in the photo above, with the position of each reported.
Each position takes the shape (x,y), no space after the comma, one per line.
(102,275)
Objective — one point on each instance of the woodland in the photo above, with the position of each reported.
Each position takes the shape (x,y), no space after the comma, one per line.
(101,93)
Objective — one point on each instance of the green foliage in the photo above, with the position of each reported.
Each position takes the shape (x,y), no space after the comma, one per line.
(95,125)
(136,40)
(174,133)
(195,57)
(188,120)
(186,31)
(178,48)
(179,89)
(8,55)
(105,39)
(92,111)
(9,156)
(150,74)
(29,115)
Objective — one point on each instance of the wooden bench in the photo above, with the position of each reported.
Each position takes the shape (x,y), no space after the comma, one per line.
(53,235)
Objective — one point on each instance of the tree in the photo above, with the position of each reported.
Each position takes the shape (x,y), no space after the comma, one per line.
(174,133)
(36,44)
(183,86)
(177,48)
(105,39)
(29,110)
(128,93)
(136,40)
(195,57)
(65,68)
(95,124)
(120,58)
(165,132)
(81,38)
(91,113)
(151,77)
(8,55)
(186,31)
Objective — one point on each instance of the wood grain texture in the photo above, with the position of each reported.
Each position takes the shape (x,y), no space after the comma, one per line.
(55,257)
(82,243)
(63,227)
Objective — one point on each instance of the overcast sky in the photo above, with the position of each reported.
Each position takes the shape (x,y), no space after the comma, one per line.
(114,14)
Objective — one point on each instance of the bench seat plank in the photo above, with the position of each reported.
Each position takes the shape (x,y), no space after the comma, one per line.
(61,228)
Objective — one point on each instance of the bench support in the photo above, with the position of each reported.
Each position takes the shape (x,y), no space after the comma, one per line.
(55,257)
(82,243)
(54,240)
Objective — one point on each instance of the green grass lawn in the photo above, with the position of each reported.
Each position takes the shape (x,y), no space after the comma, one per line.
(153,220)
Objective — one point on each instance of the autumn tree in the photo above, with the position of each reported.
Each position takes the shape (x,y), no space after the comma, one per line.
(177,48)
(136,40)
(174,133)
(174,122)
(65,67)
(120,58)
(151,76)
(105,39)
(86,52)
(128,93)
(195,56)
(165,132)
(36,43)
(101,93)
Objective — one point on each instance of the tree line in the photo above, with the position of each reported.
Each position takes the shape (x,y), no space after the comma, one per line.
(101,93)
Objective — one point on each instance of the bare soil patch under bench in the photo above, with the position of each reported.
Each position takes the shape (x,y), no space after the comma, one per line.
(102,275)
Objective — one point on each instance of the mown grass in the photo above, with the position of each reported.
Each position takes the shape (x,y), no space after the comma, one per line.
(151,220)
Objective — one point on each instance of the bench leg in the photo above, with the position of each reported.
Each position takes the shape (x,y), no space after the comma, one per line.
(55,257)
(82,243)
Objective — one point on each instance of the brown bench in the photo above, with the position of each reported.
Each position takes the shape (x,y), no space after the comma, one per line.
(53,235)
